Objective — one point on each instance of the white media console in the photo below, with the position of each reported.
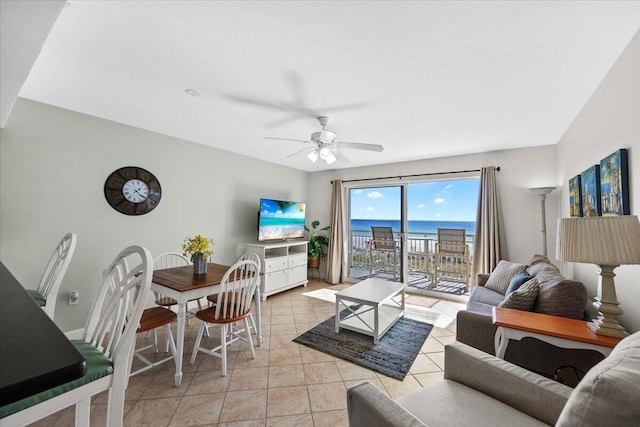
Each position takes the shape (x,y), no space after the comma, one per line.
(284,265)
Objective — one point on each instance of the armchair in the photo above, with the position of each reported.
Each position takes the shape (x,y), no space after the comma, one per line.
(481,390)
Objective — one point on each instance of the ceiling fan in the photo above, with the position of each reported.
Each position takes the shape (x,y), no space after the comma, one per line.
(325,145)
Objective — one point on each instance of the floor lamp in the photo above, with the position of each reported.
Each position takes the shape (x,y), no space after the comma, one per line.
(542,192)
(609,242)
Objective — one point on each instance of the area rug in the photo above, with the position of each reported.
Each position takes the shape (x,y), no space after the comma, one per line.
(392,356)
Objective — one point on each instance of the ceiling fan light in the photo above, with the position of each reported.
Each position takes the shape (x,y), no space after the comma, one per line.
(313,155)
(330,158)
(325,153)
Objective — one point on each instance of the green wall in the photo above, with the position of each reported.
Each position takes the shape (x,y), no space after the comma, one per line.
(53,165)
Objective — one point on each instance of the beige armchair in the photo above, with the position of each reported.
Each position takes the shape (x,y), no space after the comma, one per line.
(482,390)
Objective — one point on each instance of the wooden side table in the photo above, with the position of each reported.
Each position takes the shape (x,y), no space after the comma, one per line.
(556,330)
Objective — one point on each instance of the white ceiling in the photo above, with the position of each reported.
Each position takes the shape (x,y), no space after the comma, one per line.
(424,79)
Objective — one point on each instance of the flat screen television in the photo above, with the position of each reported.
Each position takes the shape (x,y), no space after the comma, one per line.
(280,220)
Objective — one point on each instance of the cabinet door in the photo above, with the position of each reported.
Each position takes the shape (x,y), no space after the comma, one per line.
(274,280)
(298,274)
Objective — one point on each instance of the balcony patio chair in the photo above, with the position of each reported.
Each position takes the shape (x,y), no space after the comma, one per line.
(47,293)
(232,305)
(384,252)
(107,345)
(452,257)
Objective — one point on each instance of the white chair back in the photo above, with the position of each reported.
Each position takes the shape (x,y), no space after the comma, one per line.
(117,309)
(55,271)
(236,289)
(170,260)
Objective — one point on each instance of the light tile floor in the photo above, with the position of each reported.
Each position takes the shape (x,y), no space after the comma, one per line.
(287,384)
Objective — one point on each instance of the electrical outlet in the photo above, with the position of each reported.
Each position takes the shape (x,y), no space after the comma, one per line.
(74,296)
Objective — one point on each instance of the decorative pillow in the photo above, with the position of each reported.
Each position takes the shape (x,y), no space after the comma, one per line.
(517,281)
(523,298)
(501,276)
(561,297)
(608,393)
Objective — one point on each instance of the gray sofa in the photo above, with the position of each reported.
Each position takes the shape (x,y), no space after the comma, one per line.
(482,390)
(557,296)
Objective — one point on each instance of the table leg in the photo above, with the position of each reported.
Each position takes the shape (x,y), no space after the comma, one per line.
(376,324)
(501,342)
(182,315)
(337,318)
(256,298)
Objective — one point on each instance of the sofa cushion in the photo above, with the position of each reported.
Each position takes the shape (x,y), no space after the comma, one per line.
(486,296)
(518,280)
(501,276)
(448,403)
(558,296)
(523,298)
(608,394)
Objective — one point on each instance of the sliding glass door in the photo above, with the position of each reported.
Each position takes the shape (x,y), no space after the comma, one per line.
(410,221)
(376,224)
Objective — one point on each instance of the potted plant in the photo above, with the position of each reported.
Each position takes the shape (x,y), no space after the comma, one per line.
(317,244)
(200,248)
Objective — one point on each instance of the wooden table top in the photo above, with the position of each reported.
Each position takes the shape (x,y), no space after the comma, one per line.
(555,326)
(182,278)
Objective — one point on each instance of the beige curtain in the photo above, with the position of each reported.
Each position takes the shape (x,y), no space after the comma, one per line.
(337,255)
(488,248)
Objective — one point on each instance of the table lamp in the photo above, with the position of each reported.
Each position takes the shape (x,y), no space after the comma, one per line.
(609,242)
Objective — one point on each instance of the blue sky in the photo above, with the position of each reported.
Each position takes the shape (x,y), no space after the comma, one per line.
(454,200)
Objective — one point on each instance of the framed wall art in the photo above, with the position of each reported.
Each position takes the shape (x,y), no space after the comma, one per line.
(614,184)
(575,196)
(590,180)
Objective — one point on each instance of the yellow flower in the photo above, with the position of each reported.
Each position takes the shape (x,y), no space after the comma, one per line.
(197,245)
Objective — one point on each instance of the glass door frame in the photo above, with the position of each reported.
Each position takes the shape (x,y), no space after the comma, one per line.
(403,183)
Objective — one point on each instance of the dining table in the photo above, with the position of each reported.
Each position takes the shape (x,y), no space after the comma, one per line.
(35,355)
(181,284)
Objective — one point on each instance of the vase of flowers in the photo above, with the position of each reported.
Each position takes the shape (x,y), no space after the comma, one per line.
(200,248)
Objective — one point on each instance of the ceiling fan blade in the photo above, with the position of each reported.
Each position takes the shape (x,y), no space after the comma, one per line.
(285,139)
(360,146)
(258,102)
(355,106)
(341,157)
(299,153)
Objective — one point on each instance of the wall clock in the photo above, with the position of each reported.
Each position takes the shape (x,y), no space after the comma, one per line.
(132,190)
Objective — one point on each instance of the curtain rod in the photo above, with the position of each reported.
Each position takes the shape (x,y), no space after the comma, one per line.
(415,175)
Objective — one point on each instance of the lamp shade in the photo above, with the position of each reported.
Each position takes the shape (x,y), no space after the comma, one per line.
(609,240)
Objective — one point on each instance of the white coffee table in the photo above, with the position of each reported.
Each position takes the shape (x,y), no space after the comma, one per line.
(379,311)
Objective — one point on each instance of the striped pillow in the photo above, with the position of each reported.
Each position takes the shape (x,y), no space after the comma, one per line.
(524,298)
(501,276)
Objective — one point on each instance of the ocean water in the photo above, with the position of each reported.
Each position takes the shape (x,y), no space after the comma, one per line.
(362,227)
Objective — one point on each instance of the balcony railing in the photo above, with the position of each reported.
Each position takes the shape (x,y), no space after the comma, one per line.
(428,268)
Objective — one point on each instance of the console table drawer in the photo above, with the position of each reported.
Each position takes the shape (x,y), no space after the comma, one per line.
(275,264)
(297,260)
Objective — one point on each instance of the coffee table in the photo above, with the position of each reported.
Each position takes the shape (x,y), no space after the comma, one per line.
(378,311)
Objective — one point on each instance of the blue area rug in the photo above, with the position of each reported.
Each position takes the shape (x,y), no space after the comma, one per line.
(392,356)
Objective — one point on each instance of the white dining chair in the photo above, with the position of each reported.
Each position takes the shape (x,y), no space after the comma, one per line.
(47,293)
(170,260)
(107,345)
(244,257)
(232,305)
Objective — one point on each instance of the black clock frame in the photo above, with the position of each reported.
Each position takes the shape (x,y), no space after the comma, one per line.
(113,190)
